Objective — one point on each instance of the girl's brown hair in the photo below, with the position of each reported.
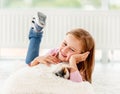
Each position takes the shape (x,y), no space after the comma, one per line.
(86,67)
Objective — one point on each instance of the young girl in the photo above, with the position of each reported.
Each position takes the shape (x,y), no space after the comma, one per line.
(77,48)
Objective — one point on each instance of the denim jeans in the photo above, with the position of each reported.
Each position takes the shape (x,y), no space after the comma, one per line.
(34,44)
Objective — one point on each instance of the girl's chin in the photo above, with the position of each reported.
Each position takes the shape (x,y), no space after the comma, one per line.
(63,59)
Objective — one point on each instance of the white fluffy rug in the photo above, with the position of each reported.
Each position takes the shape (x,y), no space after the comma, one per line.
(41,80)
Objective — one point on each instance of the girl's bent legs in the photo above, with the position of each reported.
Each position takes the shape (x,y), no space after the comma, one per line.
(34,44)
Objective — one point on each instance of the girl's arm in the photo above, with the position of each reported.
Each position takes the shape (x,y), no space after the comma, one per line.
(47,59)
(73,61)
(74,73)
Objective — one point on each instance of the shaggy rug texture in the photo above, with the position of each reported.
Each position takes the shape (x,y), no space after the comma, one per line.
(41,80)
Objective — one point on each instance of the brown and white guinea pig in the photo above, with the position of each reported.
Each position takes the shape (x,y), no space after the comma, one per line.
(62,70)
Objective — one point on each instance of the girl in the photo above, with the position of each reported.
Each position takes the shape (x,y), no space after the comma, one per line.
(77,48)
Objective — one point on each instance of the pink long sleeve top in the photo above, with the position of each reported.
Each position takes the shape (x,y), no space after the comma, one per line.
(74,76)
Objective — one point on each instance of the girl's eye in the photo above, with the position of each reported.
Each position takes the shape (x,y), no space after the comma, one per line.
(64,44)
(72,49)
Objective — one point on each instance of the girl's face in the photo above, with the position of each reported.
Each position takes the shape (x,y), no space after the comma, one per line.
(70,46)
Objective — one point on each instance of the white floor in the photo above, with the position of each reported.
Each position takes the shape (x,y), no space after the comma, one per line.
(106,77)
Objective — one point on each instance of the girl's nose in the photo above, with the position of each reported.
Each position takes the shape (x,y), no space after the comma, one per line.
(65,49)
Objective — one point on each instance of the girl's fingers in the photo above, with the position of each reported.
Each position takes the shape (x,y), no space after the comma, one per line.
(46,63)
(85,55)
(54,59)
(53,54)
(80,57)
(49,61)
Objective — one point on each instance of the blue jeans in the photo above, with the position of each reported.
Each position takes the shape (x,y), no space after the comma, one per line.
(34,44)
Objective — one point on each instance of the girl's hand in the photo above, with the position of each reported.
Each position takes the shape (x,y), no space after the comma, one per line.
(48,59)
(79,57)
(75,59)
